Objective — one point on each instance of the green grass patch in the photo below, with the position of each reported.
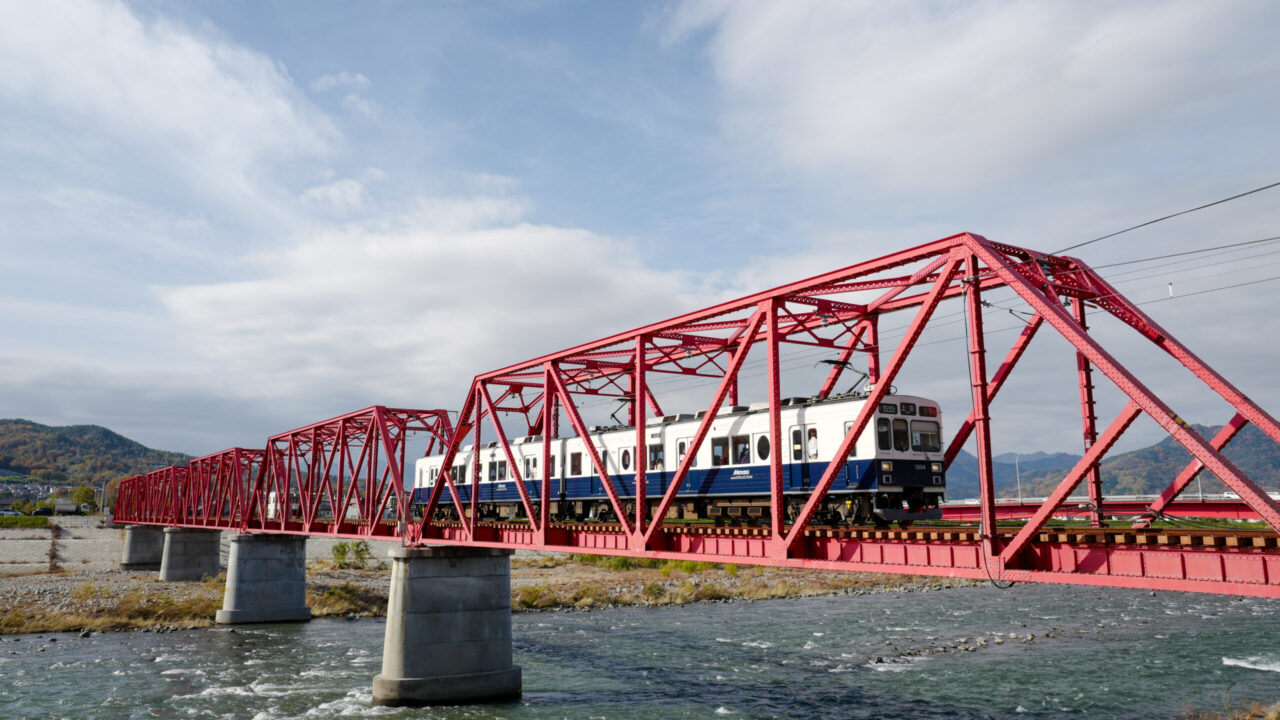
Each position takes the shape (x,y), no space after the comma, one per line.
(24,521)
(616,562)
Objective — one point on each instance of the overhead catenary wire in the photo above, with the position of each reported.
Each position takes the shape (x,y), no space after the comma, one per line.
(1189,252)
(1169,217)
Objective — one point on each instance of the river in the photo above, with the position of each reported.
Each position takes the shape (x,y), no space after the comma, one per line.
(1093,653)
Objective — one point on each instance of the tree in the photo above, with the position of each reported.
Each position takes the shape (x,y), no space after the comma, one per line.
(82,495)
(110,491)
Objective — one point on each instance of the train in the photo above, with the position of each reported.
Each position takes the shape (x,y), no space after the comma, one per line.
(894,473)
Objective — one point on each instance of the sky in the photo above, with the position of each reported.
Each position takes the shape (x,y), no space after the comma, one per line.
(223,220)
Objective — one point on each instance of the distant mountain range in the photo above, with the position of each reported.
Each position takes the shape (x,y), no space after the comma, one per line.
(74,454)
(1140,472)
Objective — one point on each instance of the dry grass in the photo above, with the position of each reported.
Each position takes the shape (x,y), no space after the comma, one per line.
(346,600)
(101,609)
(1238,711)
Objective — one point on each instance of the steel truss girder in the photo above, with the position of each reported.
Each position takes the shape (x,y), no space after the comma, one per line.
(715,342)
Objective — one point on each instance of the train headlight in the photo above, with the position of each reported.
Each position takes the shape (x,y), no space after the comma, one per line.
(936,467)
(886,466)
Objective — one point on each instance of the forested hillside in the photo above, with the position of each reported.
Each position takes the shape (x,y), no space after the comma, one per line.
(74,454)
(1141,472)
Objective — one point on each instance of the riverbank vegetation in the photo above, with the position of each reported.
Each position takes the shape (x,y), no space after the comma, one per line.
(1238,711)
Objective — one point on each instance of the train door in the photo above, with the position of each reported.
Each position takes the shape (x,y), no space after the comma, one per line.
(804,447)
(849,476)
(682,449)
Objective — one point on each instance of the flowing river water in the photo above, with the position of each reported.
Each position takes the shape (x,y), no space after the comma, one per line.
(1092,653)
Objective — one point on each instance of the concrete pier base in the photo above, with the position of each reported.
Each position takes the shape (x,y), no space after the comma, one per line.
(190,554)
(143,547)
(448,638)
(266,580)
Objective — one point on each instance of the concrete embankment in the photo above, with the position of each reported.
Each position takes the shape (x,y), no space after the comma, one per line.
(77,543)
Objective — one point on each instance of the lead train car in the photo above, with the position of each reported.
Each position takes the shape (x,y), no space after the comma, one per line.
(895,471)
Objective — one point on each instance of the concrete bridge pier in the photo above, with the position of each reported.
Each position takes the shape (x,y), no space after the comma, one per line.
(266,580)
(190,554)
(143,547)
(448,637)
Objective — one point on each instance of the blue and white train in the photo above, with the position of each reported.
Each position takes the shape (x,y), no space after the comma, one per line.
(895,471)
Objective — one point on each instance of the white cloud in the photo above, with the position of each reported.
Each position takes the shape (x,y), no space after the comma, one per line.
(966,95)
(357,105)
(343,79)
(408,311)
(106,82)
(342,198)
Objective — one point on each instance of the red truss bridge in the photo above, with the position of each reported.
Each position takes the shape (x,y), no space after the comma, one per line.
(346,477)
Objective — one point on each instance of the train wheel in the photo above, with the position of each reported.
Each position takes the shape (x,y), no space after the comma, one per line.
(904,524)
(862,513)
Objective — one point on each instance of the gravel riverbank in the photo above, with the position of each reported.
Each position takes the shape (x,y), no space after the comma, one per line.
(102,599)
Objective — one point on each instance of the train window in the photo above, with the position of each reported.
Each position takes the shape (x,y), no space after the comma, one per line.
(493,472)
(908,408)
(925,436)
(797,445)
(719,451)
(681,448)
(626,459)
(502,470)
(888,409)
(853,449)
(604,460)
(527,468)
(762,448)
(575,463)
(657,454)
(551,470)
(741,450)
(884,437)
(813,443)
(462,473)
(901,441)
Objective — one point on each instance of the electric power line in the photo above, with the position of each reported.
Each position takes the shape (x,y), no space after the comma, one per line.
(1167,217)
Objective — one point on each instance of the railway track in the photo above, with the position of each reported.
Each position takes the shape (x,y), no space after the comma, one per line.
(1083,536)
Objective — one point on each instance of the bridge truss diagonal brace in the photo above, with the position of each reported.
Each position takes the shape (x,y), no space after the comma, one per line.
(908,341)
(579,427)
(468,420)
(1122,307)
(516,476)
(1070,329)
(1191,471)
(1071,481)
(704,427)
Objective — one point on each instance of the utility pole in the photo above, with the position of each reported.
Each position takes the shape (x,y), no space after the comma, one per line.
(1017,471)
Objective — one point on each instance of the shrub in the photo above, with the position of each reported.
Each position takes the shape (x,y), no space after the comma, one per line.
(530,596)
(359,553)
(731,570)
(347,599)
(653,591)
(340,551)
